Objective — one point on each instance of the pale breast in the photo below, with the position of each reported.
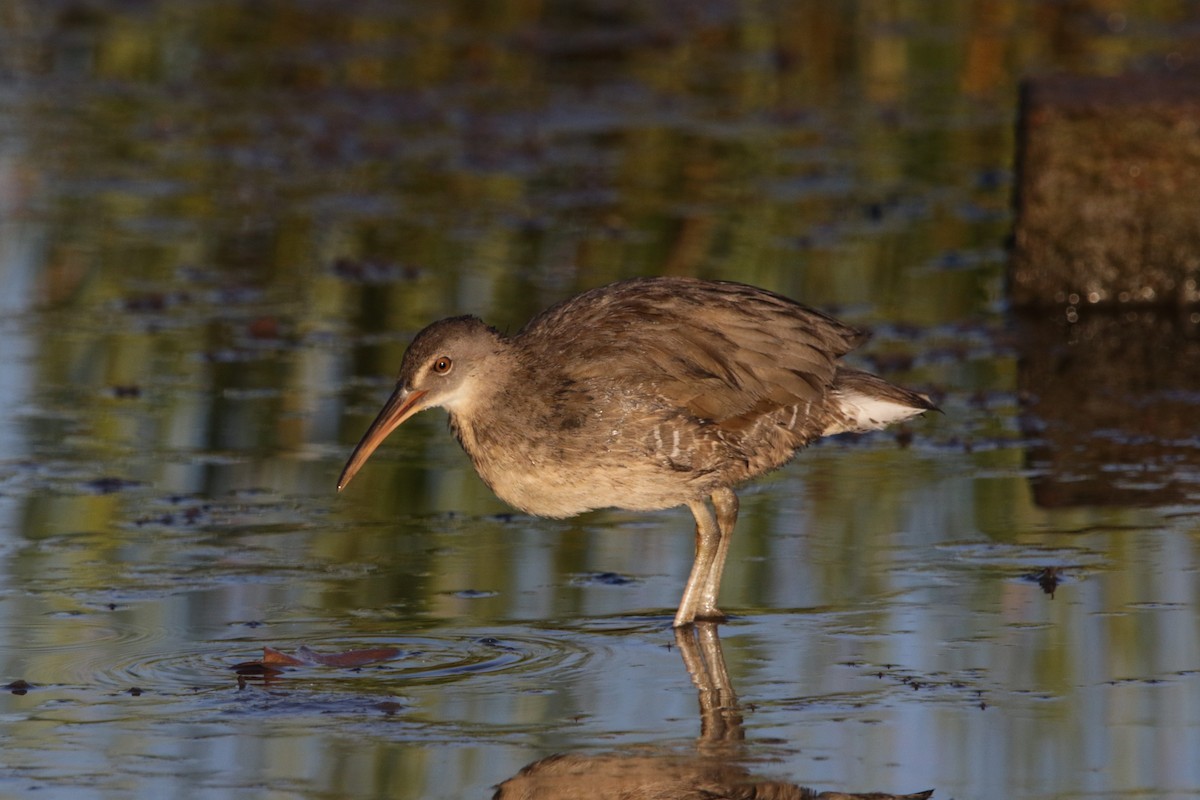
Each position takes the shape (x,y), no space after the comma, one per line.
(613,457)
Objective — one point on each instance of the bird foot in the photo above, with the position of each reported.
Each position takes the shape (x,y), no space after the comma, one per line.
(713,615)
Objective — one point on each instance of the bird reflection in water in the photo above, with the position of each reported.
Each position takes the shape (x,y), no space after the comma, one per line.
(714,772)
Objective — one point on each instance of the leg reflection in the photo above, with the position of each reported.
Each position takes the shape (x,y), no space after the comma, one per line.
(717,771)
(720,715)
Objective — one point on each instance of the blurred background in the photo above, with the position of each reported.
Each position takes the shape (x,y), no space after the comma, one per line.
(222,222)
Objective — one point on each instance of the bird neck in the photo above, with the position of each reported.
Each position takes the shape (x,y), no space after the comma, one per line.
(495,401)
(506,413)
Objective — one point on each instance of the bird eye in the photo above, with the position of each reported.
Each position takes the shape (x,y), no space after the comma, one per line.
(442,365)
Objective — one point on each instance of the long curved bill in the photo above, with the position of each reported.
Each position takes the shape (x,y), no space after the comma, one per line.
(400,406)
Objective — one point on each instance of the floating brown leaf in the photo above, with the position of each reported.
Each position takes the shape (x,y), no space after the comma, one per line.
(307,657)
(347,658)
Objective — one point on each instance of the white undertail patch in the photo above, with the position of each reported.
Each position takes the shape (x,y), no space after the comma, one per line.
(860,413)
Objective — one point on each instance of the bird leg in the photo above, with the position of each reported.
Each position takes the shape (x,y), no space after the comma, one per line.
(708,543)
(712,547)
(725,503)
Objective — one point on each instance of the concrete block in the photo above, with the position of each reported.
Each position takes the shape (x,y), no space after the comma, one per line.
(1107,192)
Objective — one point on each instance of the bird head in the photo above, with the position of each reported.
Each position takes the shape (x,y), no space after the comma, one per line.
(442,367)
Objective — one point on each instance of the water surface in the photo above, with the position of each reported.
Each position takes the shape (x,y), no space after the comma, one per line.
(220,225)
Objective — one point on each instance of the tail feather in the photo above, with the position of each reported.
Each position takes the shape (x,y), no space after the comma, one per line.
(863,402)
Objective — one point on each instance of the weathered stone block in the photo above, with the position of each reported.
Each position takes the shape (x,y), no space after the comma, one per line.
(1108,192)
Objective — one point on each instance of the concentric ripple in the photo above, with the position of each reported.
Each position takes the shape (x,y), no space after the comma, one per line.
(151,661)
(72,647)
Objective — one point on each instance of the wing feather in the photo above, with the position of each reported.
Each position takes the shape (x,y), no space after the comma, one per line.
(717,350)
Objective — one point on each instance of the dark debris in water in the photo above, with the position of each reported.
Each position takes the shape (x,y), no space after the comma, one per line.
(491,641)
(964,684)
(603,579)
(1140,681)
(1047,577)
(474,594)
(19,687)
(187,516)
(109,485)
(125,391)
(242,509)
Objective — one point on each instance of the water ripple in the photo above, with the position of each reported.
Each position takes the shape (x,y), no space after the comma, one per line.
(121,658)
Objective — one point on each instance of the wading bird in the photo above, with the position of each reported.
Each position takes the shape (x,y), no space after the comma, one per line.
(644,394)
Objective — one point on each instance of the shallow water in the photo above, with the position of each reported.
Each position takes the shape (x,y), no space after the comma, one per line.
(219,228)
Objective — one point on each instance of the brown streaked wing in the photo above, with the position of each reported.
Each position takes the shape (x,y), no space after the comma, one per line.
(719,350)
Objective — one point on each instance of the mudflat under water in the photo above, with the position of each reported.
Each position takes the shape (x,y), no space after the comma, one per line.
(221,223)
